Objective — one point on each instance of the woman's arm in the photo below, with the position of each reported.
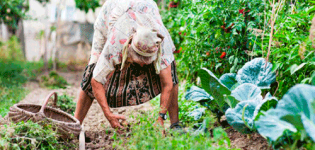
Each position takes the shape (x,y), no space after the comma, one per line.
(99,93)
(167,86)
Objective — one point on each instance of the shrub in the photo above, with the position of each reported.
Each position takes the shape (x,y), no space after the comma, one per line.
(53,80)
(66,104)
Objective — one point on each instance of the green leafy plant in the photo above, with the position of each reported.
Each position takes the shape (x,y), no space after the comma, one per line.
(251,103)
(14,72)
(13,10)
(29,135)
(144,135)
(85,5)
(214,34)
(220,94)
(293,118)
(223,35)
(53,80)
(11,50)
(66,103)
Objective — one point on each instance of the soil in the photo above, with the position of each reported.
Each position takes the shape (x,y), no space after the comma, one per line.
(253,141)
(97,129)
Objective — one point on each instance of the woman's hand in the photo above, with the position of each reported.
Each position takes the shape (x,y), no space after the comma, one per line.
(99,93)
(114,120)
(160,121)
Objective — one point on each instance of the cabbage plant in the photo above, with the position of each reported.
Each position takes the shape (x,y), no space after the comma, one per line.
(217,93)
(257,72)
(294,114)
(251,103)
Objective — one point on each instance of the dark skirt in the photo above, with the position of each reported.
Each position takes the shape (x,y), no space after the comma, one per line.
(131,86)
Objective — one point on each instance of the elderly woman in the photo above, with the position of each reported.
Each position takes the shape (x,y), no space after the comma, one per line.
(131,62)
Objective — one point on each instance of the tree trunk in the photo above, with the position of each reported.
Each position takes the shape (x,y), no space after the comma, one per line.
(20,34)
(46,41)
(312,32)
(5,32)
(58,34)
(163,5)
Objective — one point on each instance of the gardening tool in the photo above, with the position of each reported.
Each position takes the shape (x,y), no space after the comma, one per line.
(64,122)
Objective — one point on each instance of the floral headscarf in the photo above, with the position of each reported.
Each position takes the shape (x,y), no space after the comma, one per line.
(144,42)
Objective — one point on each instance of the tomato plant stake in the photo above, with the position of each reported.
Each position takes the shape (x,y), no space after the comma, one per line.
(275,11)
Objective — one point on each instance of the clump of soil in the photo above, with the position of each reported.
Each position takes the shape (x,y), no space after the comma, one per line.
(253,141)
(98,140)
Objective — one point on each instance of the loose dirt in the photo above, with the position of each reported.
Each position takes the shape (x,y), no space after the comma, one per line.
(97,128)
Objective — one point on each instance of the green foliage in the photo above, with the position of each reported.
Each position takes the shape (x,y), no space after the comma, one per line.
(85,5)
(232,88)
(11,50)
(53,81)
(197,94)
(214,34)
(251,103)
(223,35)
(10,96)
(66,103)
(29,135)
(292,54)
(292,120)
(185,107)
(13,10)
(257,72)
(145,135)
(215,88)
(13,73)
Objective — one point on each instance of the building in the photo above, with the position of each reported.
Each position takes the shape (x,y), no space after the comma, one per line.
(75,30)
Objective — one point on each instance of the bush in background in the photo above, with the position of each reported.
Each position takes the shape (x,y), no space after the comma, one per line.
(53,81)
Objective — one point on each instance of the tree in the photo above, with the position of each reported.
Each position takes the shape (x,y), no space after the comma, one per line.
(86,5)
(12,13)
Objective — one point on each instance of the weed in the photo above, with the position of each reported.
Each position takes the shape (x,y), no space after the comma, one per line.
(66,104)
(53,81)
(145,135)
(29,135)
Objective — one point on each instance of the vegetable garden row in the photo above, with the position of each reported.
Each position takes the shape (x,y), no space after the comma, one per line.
(264,54)
(245,100)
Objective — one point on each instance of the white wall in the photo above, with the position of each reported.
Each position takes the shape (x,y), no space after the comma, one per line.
(43,18)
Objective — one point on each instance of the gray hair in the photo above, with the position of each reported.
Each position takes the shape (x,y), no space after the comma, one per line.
(147,60)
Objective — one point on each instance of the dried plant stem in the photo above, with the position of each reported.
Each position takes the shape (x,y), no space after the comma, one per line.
(275,11)
(271,32)
(264,29)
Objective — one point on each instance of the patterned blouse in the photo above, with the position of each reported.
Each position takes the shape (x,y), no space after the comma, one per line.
(115,23)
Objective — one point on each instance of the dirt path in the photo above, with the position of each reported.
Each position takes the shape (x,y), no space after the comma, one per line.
(96,127)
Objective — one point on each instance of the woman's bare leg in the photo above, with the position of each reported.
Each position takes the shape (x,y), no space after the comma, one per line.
(173,108)
(83,105)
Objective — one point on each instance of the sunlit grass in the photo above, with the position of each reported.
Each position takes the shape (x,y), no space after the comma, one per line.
(13,74)
(144,134)
(9,96)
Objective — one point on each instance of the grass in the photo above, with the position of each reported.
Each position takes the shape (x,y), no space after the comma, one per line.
(53,81)
(10,96)
(13,74)
(146,135)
